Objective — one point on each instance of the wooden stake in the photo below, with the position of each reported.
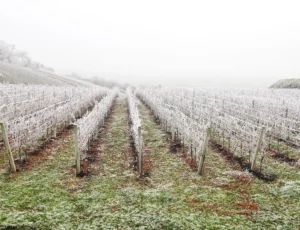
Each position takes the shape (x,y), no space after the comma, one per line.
(77,154)
(25,154)
(20,153)
(223,139)
(8,149)
(55,132)
(202,157)
(191,150)
(140,152)
(257,148)
(173,134)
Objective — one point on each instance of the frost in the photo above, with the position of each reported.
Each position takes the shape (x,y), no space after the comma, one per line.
(31,111)
(236,116)
(90,124)
(291,189)
(134,118)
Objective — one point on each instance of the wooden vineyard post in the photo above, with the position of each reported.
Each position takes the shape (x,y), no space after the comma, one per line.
(77,154)
(140,152)
(20,153)
(257,148)
(55,131)
(25,153)
(8,149)
(173,134)
(202,156)
(223,143)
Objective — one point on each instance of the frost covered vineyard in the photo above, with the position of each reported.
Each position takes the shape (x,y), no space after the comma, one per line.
(244,122)
(190,149)
(29,112)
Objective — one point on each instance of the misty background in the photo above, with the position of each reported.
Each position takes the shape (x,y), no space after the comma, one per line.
(176,43)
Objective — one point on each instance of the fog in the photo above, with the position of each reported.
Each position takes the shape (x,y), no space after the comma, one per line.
(182,43)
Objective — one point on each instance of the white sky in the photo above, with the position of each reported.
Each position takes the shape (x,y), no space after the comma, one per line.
(197,43)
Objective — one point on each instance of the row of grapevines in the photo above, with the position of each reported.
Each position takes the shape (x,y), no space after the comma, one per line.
(88,125)
(134,118)
(194,113)
(277,110)
(22,100)
(26,130)
(177,121)
(135,127)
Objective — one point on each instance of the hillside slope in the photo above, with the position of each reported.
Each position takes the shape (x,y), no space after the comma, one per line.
(287,83)
(14,74)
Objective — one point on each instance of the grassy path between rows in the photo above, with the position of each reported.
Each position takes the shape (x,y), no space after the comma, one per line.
(172,196)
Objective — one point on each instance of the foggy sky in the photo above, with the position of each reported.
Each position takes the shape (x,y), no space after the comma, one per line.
(188,43)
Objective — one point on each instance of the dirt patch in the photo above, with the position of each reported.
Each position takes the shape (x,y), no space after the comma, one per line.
(91,157)
(247,205)
(175,146)
(84,168)
(229,187)
(147,166)
(23,165)
(189,161)
(287,142)
(282,157)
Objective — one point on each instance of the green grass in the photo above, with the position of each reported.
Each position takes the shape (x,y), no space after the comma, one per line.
(172,197)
